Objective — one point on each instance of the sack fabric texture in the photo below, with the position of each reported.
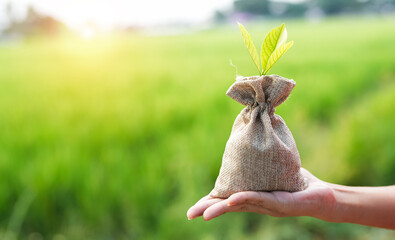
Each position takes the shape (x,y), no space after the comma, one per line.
(261,153)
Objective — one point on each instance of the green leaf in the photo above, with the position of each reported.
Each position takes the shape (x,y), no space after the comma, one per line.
(275,38)
(277,54)
(250,46)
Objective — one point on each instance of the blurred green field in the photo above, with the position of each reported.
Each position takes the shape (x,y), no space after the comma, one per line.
(115,138)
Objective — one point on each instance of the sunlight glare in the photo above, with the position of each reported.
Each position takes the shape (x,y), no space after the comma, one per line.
(88,33)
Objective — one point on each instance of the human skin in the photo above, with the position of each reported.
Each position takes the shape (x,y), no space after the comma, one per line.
(371,206)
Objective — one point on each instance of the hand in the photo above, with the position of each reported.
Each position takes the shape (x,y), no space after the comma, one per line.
(317,200)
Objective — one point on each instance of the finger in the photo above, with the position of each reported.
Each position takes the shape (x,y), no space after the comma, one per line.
(243,197)
(257,198)
(276,203)
(221,208)
(208,197)
(216,210)
(198,209)
(203,199)
(310,177)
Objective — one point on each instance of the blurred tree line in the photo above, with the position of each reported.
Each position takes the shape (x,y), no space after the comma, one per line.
(306,8)
(34,23)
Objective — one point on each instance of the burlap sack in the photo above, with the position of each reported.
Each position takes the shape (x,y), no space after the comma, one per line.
(261,153)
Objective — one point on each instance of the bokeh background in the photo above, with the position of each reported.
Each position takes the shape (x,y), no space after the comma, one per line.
(114,118)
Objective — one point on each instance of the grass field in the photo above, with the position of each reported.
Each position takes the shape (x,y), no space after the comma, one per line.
(115,138)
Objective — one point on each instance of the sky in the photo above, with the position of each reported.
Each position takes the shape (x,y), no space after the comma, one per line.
(108,13)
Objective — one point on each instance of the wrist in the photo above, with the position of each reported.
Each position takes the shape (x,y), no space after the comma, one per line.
(343,203)
(329,206)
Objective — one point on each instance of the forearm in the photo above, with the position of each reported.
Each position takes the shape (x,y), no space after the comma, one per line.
(371,206)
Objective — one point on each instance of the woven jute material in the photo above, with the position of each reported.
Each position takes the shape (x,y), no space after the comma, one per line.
(261,153)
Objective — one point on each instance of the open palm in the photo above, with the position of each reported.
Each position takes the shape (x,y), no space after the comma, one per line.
(317,200)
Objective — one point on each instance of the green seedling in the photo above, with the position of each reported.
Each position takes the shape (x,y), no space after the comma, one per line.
(273,47)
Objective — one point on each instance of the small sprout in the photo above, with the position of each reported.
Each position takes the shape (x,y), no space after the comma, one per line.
(273,47)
